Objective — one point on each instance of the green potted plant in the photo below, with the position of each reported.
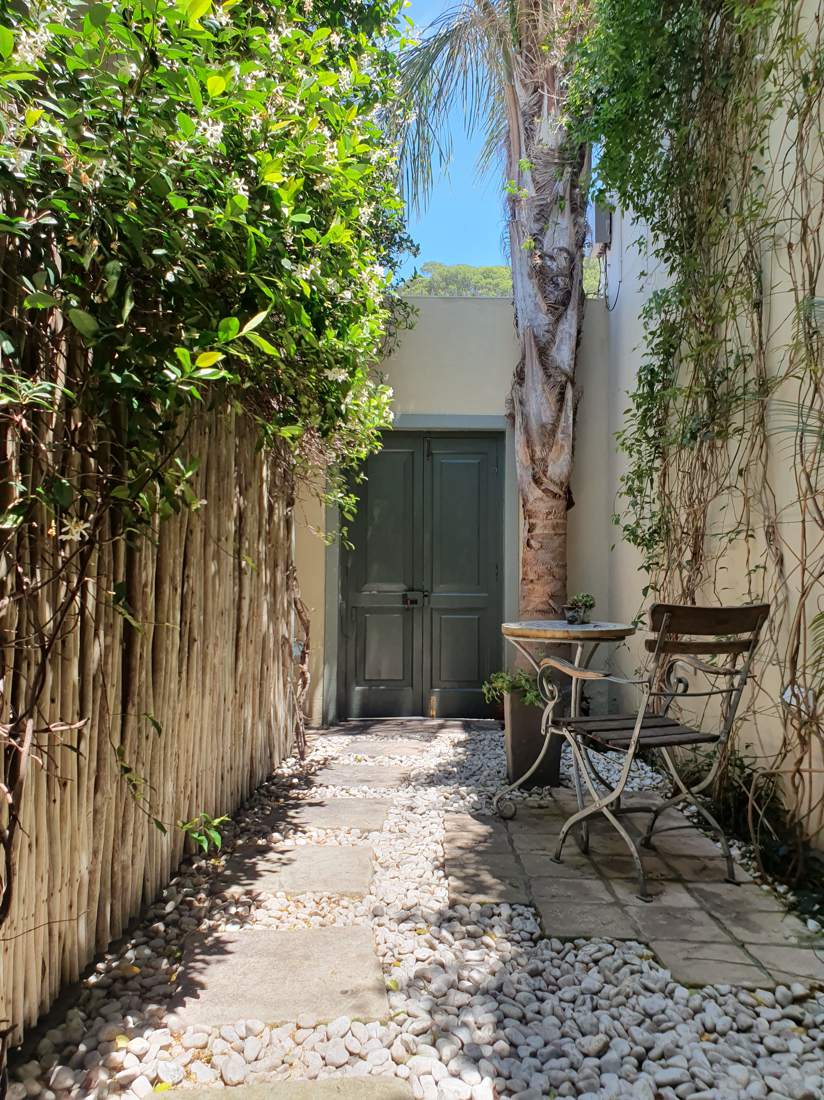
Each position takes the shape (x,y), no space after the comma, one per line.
(579,608)
(523,708)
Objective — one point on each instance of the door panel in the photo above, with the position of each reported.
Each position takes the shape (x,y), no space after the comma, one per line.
(384,524)
(381,636)
(462,550)
(420,591)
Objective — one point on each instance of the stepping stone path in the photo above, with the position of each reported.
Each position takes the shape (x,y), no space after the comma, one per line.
(262,973)
(324,868)
(371,932)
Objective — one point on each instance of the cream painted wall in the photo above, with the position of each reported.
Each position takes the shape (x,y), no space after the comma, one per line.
(631,275)
(458,359)
(457,362)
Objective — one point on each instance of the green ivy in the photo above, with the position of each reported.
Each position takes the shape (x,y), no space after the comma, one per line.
(677,101)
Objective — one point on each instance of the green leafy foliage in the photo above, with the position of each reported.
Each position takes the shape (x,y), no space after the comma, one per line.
(204,831)
(203,192)
(504,683)
(679,116)
(583,601)
(435,280)
(197,211)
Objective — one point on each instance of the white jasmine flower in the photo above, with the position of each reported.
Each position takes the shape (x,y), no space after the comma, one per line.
(73,529)
(211,130)
(336,374)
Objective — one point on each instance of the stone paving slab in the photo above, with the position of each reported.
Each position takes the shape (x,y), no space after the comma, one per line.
(664,892)
(485,877)
(550,890)
(309,868)
(623,867)
(464,832)
(697,964)
(657,922)
(704,929)
(571,920)
(360,775)
(424,730)
(684,842)
(790,964)
(263,974)
(704,870)
(541,865)
(730,899)
(365,814)
(756,926)
(537,820)
(328,1088)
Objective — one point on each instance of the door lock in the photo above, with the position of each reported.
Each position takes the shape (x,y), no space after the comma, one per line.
(413,599)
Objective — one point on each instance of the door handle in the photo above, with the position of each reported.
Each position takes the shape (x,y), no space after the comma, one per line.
(413,599)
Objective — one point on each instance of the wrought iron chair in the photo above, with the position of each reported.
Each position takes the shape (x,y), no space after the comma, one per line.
(680,638)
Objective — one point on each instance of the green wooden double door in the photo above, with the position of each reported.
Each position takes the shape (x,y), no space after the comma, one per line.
(421,587)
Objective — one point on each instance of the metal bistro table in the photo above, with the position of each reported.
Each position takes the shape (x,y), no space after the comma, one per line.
(540,632)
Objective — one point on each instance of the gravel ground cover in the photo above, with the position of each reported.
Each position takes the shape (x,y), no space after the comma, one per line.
(482,1003)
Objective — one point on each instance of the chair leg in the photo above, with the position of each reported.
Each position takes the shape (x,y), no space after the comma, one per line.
(579,771)
(688,794)
(643,893)
(583,834)
(683,794)
(646,840)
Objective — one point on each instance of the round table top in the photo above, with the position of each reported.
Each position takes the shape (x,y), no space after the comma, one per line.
(558,630)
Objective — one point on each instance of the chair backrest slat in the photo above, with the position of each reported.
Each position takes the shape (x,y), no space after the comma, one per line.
(684,619)
(682,630)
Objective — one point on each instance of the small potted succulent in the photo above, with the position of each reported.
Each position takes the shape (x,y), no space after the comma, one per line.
(523,708)
(578,608)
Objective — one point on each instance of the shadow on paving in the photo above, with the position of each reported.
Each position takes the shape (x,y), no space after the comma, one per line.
(247,970)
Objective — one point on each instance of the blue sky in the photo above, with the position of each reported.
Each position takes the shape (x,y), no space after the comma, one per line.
(463,221)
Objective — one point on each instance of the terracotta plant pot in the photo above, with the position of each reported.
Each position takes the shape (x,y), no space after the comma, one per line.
(523,742)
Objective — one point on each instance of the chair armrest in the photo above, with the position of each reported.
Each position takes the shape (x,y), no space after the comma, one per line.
(702,666)
(577,673)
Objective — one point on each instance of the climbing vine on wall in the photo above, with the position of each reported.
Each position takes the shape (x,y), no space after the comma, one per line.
(708,118)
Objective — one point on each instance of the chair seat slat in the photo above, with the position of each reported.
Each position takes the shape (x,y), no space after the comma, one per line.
(619,721)
(652,735)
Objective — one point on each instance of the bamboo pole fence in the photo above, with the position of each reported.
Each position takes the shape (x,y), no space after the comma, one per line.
(190,695)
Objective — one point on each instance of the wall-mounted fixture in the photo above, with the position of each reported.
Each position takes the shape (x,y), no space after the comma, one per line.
(602,229)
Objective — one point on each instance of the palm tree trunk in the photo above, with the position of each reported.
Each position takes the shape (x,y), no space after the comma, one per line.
(547,230)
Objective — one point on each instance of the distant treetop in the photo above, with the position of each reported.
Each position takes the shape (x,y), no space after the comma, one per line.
(436,280)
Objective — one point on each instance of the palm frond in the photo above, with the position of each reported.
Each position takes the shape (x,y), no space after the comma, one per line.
(801,425)
(462,61)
